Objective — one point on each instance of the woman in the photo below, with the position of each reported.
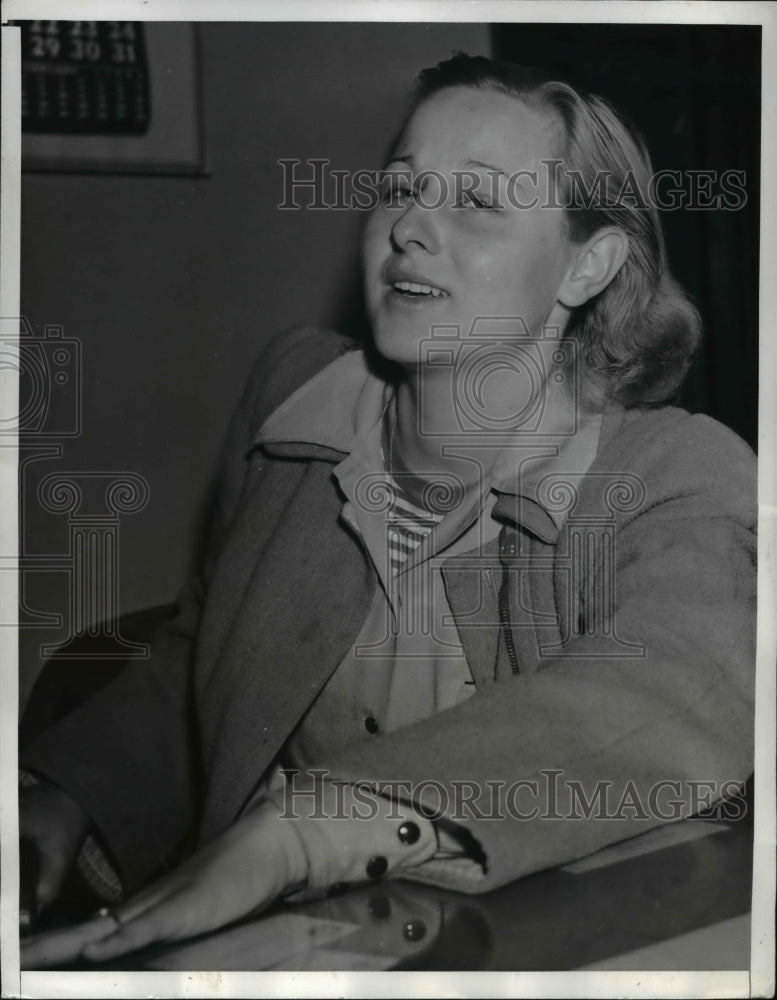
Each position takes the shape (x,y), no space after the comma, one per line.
(485,572)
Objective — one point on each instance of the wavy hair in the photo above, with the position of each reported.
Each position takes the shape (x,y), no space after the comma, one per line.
(639,334)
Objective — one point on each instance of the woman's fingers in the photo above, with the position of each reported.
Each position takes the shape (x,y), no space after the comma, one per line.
(56,826)
(53,867)
(168,920)
(153,895)
(193,909)
(161,913)
(57,948)
(240,873)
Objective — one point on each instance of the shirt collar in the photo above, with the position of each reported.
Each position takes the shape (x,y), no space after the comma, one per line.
(333,412)
(540,470)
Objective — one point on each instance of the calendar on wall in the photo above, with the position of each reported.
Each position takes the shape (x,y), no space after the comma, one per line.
(111,96)
(86,77)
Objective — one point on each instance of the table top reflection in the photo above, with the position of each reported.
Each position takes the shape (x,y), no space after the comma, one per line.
(671,899)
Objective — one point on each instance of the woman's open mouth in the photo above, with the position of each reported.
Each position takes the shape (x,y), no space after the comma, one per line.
(413,294)
(417,290)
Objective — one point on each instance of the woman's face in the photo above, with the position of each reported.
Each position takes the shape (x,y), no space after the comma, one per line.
(476,253)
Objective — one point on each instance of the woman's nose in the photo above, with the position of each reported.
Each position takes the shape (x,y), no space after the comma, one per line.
(418,224)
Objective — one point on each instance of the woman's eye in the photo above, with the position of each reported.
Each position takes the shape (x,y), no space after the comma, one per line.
(471,200)
(395,191)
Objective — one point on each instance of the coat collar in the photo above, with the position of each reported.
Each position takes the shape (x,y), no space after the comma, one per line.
(329,412)
(329,415)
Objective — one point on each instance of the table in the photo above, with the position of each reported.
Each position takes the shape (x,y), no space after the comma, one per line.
(675,898)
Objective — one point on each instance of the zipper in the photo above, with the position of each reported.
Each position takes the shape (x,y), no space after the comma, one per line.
(506,624)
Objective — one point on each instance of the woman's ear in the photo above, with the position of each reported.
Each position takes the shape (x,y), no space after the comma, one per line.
(594,265)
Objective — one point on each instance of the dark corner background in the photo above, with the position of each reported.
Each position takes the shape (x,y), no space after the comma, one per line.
(694,91)
(172,285)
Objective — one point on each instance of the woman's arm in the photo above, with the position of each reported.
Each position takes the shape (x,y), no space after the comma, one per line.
(129,755)
(587,724)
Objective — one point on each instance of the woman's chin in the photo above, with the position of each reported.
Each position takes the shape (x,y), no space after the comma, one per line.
(405,343)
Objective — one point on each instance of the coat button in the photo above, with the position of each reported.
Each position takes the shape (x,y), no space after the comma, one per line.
(377,866)
(371,725)
(414,930)
(409,833)
(379,906)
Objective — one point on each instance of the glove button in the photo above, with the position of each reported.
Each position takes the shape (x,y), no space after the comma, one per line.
(409,833)
(414,930)
(377,867)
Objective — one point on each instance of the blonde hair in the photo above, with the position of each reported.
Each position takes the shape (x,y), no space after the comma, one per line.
(637,336)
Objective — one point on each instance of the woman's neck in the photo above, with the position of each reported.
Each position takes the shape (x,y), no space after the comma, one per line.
(435,432)
(428,434)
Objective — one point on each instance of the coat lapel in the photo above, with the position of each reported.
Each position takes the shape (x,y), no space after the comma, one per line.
(301,610)
(302,586)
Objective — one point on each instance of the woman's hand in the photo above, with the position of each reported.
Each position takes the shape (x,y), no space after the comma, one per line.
(56,826)
(240,873)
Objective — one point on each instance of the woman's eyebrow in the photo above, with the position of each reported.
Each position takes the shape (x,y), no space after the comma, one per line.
(480,163)
(398,158)
(409,159)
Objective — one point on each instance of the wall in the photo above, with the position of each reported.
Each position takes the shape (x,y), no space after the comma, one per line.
(172,285)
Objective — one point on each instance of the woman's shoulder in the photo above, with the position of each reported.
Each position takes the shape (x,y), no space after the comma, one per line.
(681,454)
(690,431)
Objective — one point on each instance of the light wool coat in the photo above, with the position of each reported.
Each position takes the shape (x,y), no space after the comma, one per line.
(659,690)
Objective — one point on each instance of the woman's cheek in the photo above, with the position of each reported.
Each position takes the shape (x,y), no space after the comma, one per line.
(372,253)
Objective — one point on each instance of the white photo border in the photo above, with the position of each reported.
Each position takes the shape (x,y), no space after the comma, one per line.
(760,979)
